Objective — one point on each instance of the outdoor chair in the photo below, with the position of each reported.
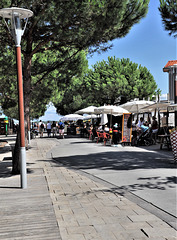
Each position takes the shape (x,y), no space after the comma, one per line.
(100,136)
(107,138)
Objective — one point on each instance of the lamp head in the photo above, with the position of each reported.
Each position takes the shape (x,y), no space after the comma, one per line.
(16,15)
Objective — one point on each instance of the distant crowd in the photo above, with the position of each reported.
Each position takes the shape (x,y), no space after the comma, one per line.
(142,132)
(51,128)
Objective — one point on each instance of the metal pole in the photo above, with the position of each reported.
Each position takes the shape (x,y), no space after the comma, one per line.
(21,120)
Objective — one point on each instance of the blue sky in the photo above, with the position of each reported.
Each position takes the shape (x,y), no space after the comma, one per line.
(147,44)
(50,114)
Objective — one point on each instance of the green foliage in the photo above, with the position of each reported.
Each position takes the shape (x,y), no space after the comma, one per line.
(71,98)
(115,78)
(168,11)
(108,82)
(56,40)
(8,83)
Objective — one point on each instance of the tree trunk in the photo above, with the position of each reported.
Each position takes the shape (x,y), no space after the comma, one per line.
(16,155)
(27,93)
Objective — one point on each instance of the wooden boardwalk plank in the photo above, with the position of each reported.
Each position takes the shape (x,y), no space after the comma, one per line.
(27,213)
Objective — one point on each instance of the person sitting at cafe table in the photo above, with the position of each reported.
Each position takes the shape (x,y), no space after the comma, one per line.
(144,128)
(140,122)
(134,132)
(146,123)
(154,128)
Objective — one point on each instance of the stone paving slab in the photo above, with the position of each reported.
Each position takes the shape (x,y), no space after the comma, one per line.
(84,209)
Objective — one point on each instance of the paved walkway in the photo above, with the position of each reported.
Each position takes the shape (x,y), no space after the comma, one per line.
(25,213)
(61,203)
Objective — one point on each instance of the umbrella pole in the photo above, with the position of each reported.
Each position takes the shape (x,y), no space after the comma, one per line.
(159,117)
(111,119)
(155,112)
(149,121)
(167,117)
(92,120)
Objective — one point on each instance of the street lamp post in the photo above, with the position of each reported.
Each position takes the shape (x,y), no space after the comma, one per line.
(13,18)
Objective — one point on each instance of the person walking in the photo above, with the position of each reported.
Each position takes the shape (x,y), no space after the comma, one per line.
(49,127)
(54,129)
(41,128)
(61,127)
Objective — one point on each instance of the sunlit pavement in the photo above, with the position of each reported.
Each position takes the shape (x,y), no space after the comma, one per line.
(90,187)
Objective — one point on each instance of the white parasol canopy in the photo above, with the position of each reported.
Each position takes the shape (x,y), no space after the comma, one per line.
(88,110)
(158,105)
(90,116)
(172,107)
(136,106)
(71,117)
(111,109)
(104,118)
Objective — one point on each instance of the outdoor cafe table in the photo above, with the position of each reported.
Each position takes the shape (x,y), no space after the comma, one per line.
(165,140)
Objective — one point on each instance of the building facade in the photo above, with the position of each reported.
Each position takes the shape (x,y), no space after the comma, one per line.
(171,68)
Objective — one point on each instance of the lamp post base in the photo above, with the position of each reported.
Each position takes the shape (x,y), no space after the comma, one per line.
(23,167)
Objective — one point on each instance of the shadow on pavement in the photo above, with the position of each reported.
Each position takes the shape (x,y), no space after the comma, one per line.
(125,161)
(5,149)
(158,183)
(117,161)
(5,169)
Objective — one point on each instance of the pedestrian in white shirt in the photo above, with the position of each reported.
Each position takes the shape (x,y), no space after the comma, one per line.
(49,127)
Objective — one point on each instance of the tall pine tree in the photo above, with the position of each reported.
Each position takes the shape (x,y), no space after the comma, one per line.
(109,82)
(60,29)
(168,11)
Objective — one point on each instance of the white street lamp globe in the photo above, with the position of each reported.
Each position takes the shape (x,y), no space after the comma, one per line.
(16,15)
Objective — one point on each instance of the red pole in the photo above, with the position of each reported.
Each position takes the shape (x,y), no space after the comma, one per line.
(21,118)
(20,96)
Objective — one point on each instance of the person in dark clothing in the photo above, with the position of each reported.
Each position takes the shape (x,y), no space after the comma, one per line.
(154,128)
(115,134)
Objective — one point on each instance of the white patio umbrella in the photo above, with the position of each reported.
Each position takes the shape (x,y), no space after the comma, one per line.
(136,106)
(158,105)
(104,119)
(88,110)
(172,107)
(71,117)
(111,109)
(90,116)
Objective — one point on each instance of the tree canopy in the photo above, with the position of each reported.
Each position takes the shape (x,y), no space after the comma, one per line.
(112,81)
(56,35)
(168,11)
